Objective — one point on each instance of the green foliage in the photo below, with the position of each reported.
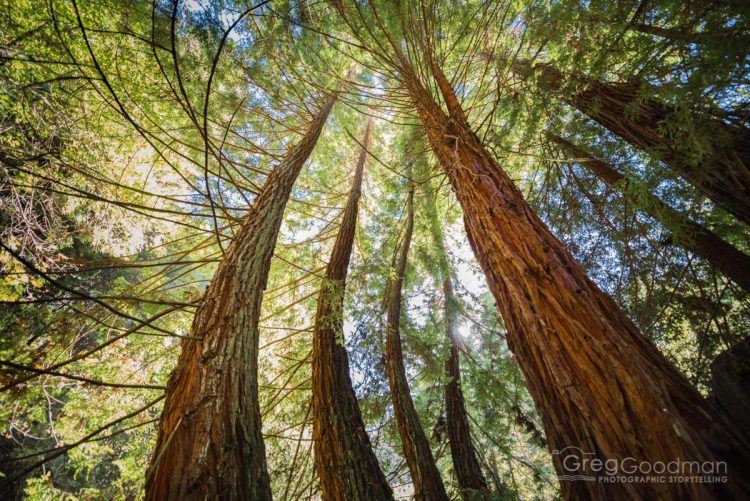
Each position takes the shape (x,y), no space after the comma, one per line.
(134,142)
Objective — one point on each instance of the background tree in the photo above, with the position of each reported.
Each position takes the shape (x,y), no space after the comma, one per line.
(137,135)
(346,464)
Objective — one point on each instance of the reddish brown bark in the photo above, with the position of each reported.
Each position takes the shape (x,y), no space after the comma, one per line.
(471,481)
(345,461)
(468,472)
(722,175)
(598,383)
(428,485)
(686,233)
(210,444)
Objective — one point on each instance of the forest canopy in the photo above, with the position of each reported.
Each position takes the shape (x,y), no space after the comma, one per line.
(374,249)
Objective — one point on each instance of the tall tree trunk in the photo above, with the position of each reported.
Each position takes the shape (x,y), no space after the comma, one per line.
(723,174)
(686,233)
(428,486)
(210,444)
(346,463)
(601,387)
(465,462)
(466,465)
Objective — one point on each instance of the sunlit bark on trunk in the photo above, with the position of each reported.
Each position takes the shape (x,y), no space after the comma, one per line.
(210,444)
(598,383)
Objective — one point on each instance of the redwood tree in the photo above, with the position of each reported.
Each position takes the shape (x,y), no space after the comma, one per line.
(346,464)
(465,463)
(599,384)
(692,236)
(721,174)
(424,473)
(210,444)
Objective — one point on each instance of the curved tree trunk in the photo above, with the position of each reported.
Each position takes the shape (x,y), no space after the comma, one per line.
(601,387)
(465,462)
(428,486)
(346,463)
(689,235)
(723,175)
(210,444)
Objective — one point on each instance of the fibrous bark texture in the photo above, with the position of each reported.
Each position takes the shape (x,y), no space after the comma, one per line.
(424,473)
(210,444)
(345,461)
(598,383)
(722,174)
(465,463)
(686,233)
